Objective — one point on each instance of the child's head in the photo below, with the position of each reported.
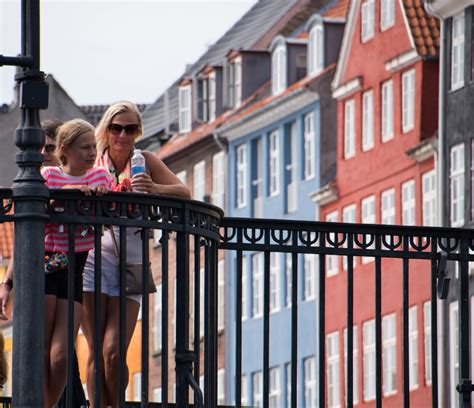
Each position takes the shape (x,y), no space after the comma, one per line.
(75,142)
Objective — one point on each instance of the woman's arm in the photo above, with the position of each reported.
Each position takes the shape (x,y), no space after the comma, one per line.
(161,179)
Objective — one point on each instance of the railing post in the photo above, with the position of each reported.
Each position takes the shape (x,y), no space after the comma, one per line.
(183,363)
(29,195)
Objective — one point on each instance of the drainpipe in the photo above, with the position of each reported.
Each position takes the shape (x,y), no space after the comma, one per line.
(442,177)
(218,141)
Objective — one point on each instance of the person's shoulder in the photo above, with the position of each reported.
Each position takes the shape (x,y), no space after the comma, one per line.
(50,170)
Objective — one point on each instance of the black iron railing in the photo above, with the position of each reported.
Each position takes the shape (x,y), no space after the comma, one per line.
(192,227)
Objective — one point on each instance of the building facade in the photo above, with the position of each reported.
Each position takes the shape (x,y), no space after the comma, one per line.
(386,90)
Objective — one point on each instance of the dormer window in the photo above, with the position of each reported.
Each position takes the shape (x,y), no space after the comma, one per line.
(234,79)
(279,69)
(207,98)
(316,49)
(185,108)
(212,96)
(367,20)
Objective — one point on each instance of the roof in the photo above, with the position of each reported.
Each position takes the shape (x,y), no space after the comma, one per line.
(424,28)
(338,11)
(6,239)
(423,31)
(61,107)
(271,99)
(180,142)
(245,34)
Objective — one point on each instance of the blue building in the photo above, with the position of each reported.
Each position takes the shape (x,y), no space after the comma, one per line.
(281,149)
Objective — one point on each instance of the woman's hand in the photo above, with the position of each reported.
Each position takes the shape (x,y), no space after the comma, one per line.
(142,183)
(86,190)
(101,190)
(4,297)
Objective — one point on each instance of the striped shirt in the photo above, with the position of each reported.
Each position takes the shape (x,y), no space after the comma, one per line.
(56,234)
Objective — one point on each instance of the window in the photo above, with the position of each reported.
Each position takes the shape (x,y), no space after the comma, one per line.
(218,177)
(241,176)
(408,203)
(349,129)
(221,386)
(332,367)
(309,146)
(428,181)
(355,367)
(279,69)
(316,49)
(257,389)
(454,352)
(388,206)
(348,216)
(427,340)
(457,52)
(288,278)
(367,121)
(389,354)
(185,109)
(367,25)
(237,82)
(199,173)
(244,391)
(274,282)
(182,175)
(408,100)
(156,394)
(368,217)
(309,276)
(288,384)
(274,154)
(387,111)
(292,167)
(413,346)
(201,301)
(332,261)
(221,294)
(457,185)
(257,285)
(157,319)
(387,14)
(309,376)
(212,96)
(368,331)
(234,83)
(203,100)
(274,397)
(244,289)
(137,386)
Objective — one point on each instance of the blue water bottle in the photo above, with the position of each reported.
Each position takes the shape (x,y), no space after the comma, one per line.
(138,163)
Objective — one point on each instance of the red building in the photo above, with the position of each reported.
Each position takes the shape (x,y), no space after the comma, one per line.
(386,84)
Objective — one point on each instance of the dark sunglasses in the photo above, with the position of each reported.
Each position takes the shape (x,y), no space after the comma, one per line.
(49,148)
(130,130)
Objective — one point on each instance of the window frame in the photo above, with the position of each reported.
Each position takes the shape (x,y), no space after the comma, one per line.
(242,175)
(349,129)
(279,69)
(367,120)
(457,176)
(387,14)
(199,181)
(389,354)
(274,163)
(309,146)
(408,100)
(367,27)
(316,49)
(409,202)
(429,194)
(185,112)
(218,179)
(387,111)
(332,370)
(458,40)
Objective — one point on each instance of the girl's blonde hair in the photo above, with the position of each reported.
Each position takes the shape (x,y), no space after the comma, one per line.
(68,133)
(101,131)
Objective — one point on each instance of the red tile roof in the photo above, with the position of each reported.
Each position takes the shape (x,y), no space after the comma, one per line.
(306,81)
(339,10)
(6,239)
(424,28)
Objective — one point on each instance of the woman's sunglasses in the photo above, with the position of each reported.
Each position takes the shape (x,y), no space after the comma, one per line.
(130,130)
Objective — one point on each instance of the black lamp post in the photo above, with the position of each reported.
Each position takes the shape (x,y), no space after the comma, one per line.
(29,195)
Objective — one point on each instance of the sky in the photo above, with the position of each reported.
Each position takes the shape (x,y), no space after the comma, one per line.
(102,51)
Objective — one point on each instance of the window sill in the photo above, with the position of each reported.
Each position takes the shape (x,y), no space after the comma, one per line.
(456,87)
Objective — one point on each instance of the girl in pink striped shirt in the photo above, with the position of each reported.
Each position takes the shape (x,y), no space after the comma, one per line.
(76,149)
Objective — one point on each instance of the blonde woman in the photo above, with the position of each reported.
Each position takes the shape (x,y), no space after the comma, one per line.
(116,134)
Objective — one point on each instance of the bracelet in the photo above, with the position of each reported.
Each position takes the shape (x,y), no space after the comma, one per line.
(9,283)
